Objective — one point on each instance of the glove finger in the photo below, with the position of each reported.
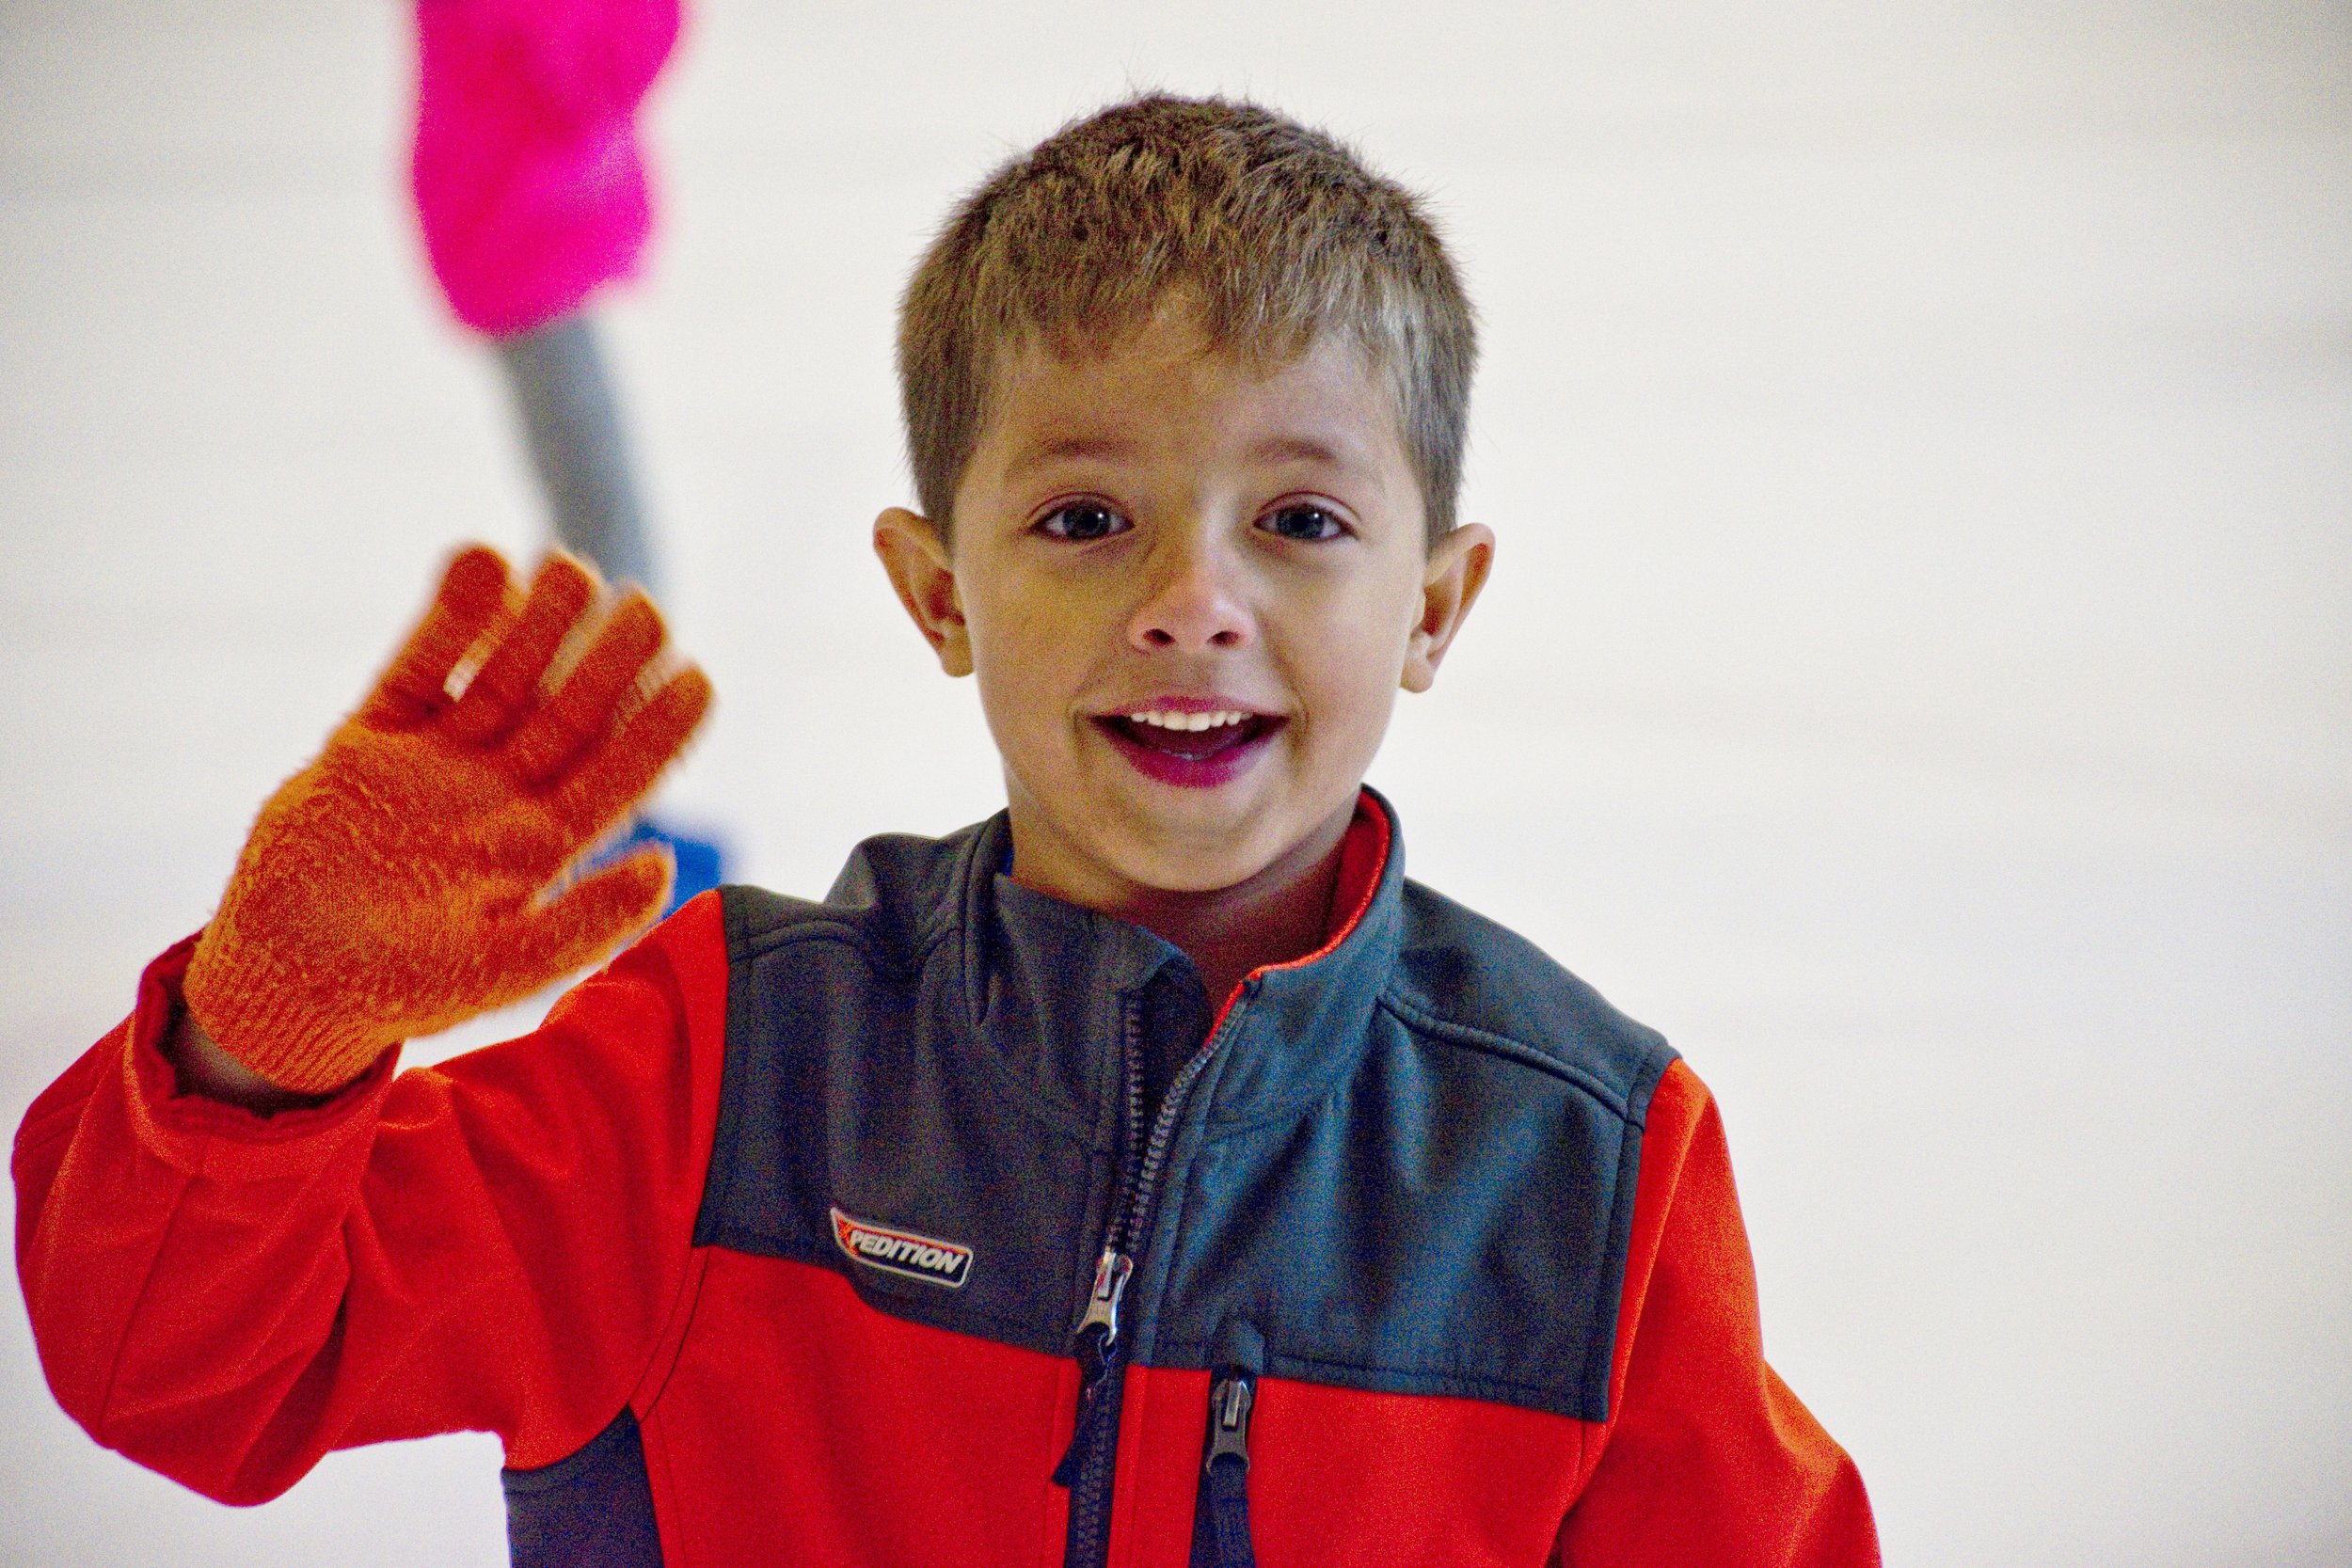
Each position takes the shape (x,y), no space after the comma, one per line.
(591,697)
(506,687)
(615,774)
(592,919)
(415,685)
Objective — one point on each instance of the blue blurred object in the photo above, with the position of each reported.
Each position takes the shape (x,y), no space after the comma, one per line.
(701,862)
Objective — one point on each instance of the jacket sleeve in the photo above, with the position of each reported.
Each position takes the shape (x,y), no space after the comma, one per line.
(1707,1457)
(497,1244)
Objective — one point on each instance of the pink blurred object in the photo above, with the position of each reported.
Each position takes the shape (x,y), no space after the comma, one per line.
(528,179)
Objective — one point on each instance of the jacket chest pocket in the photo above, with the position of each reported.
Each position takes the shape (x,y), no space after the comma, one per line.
(1340,1476)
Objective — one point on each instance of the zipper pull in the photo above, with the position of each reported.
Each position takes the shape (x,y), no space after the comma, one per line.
(1097,1339)
(1229,1402)
(1110,1283)
(1220,1518)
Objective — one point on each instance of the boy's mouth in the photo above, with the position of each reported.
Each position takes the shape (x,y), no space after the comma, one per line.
(1195,749)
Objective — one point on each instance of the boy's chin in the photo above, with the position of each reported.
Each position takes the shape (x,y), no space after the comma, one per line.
(1099,840)
(1203,852)
(1180,874)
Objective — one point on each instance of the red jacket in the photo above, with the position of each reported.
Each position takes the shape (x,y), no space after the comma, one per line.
(766,1246)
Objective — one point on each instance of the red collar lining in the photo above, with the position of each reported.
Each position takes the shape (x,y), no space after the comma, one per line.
(1363,856)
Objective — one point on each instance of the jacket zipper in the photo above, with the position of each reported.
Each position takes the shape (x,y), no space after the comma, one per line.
(1089,1465)
(1221,1525)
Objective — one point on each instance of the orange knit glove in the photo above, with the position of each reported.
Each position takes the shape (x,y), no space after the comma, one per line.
(403,882)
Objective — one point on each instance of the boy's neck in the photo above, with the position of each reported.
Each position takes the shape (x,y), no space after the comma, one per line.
(1281,913)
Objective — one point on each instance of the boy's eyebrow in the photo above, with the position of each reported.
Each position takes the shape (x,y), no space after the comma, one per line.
(1062,448)
(1297,448)
(1274,448)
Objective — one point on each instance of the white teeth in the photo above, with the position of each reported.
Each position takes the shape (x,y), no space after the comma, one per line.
(1187,720)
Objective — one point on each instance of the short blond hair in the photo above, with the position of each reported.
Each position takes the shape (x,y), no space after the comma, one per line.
(1280,232)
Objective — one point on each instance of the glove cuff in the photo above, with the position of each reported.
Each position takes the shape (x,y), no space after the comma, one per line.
(300,1031)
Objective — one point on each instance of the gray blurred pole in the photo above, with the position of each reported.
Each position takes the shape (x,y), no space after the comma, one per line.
(572,424)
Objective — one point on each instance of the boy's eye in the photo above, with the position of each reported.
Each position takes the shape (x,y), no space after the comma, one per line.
(1081,521)
(1302,522)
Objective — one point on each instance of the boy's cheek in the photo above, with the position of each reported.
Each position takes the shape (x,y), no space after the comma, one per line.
(1036,615)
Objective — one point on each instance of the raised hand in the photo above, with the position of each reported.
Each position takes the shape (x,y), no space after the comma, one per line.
(407,879)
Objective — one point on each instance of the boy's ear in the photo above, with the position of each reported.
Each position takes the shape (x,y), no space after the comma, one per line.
(917,559)
(1458,564)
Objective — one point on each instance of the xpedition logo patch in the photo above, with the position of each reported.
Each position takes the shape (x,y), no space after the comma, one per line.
(924,1258)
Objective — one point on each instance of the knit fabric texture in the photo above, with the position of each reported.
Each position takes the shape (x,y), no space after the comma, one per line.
(421,870)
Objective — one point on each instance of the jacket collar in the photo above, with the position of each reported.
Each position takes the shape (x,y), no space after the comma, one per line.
(1047,986)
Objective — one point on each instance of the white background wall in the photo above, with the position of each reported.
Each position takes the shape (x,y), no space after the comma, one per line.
(1918,678)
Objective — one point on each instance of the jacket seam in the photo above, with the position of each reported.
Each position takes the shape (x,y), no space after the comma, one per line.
(1607,1425)
(828,928)
(1465,1381)
(1030,1104)
(1008,1084)
(1600,1352)
(1018,1329)
(1470,1037)
(670,1513)
(1323,1085)
(683,1305)
(743,948)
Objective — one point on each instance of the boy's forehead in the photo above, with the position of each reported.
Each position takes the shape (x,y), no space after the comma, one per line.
(1167,382)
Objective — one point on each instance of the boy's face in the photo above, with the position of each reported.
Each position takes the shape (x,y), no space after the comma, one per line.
(1161,538)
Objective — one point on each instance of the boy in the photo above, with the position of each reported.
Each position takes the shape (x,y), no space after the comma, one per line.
(1149,1175)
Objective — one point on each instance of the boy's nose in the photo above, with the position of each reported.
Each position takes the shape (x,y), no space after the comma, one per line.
(1192,607)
